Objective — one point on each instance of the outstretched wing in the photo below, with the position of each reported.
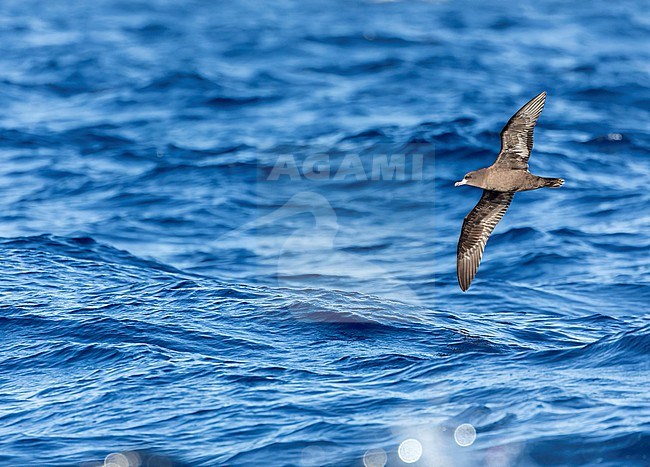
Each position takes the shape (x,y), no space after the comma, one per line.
(517,135)
(477,227)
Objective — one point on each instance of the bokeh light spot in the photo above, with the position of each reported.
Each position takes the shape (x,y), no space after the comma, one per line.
(313,456)
(410,451)
(116,459)
(375,458)
(465,435)
(123,459)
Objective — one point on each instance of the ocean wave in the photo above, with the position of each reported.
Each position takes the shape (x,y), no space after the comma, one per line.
(164,300)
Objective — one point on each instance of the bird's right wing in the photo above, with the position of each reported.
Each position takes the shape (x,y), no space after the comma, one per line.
(477,227)
(517,135)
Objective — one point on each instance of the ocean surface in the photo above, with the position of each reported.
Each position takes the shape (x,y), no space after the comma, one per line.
(228,234)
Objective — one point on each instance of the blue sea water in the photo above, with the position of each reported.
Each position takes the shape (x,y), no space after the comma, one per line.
(169,299)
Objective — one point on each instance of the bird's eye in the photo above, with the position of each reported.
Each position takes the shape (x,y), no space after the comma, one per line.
(467,177)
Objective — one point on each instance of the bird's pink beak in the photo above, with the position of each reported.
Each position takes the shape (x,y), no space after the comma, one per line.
(462,182)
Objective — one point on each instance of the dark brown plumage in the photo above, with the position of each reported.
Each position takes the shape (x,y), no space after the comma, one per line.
(508,175)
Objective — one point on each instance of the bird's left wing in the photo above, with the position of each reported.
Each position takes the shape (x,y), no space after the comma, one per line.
(517,135)
(477,227)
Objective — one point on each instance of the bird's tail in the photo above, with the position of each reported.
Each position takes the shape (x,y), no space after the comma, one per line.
(553,182)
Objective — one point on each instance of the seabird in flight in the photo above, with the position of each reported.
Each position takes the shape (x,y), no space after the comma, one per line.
(508,175)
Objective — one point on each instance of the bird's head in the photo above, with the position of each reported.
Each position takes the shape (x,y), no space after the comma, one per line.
(474,178)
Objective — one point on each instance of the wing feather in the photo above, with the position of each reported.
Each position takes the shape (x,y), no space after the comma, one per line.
(477,227)
(517,135)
